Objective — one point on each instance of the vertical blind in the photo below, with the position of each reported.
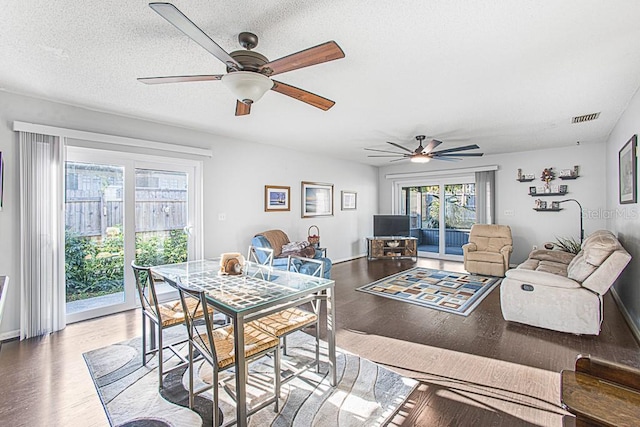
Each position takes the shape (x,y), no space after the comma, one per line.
(485,197)
(41,235)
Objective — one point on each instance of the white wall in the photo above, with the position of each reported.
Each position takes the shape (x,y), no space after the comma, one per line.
(529,227)
(625,219)
(233,184)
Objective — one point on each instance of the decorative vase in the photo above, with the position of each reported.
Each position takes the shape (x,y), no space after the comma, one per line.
(547,188)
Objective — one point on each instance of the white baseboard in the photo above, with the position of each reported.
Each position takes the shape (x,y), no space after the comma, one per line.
(635,330)
(9,335)
(336,261)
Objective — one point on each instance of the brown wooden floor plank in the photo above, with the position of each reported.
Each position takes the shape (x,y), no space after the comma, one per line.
(476,370)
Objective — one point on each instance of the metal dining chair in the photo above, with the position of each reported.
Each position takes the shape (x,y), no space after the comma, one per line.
(293,319)
(258,255)
(217,348)
(263,259)
(159,316)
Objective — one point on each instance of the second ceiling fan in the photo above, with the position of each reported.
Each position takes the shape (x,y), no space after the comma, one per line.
(248,72)
(424,154)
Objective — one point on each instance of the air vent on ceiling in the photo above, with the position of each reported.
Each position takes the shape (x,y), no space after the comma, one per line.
(585,118)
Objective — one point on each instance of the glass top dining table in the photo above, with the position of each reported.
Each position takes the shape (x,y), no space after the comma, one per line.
(257,292)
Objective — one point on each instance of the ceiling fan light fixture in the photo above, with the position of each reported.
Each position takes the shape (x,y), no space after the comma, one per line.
(420,158)
(247,86)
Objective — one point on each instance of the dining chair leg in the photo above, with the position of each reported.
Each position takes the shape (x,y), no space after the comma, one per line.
(216,414)
(144,339)
(191,367)
(284,345)
(276,377)
(152,327)
(318,344)
(160,358)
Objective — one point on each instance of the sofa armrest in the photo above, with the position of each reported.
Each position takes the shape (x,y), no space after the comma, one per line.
(542,278)
(506,249)
(469,247)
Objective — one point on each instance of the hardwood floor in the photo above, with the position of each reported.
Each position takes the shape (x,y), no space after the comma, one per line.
(476,370)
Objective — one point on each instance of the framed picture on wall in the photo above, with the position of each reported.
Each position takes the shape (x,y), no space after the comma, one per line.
(276,198)
(349,200)
(1,178)
(627,173)
(317,199)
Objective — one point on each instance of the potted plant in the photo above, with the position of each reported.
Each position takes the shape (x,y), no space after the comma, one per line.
(567,244)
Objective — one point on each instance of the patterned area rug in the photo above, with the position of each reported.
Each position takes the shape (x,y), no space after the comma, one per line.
(366,394)
(457,293)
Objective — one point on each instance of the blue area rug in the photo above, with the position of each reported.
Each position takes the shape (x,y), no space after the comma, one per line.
(366,394)
(457,293)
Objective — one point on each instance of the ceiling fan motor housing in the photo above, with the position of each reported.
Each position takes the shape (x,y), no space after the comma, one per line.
(250,60)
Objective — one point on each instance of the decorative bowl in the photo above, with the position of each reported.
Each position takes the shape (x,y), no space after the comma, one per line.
(393,244)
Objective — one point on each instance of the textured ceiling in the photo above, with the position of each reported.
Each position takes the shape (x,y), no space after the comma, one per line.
(506,75)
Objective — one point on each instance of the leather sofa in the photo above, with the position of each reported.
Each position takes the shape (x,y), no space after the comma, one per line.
(275,240)
(488,250)
(559,291)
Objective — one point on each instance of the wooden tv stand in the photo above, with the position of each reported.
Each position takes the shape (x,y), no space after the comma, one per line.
(392,247)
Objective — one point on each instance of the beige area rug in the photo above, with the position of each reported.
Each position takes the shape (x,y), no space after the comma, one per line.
(367,394)
(459,389)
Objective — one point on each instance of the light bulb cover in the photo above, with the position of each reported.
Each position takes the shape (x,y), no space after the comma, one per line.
(247,86)
(420,158)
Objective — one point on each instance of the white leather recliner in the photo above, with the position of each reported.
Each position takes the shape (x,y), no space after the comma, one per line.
(557,291)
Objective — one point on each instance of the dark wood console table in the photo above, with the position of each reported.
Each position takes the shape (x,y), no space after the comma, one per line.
(601,393)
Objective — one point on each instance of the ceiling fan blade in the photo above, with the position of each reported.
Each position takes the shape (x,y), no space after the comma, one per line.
(191,30)
(431,145)
(397,160)
(436,155)
(400,146)
(452,150)
(314,55)
(242,109)
(303,95)
(385,151)
(448,159)
(178,79)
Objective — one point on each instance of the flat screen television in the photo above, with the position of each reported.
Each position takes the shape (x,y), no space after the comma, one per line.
(391,225)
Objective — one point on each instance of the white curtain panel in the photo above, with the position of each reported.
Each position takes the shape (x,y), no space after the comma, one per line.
(485,197)
(41,234)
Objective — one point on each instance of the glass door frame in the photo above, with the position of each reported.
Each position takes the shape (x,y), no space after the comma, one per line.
(131,162)
(441,181)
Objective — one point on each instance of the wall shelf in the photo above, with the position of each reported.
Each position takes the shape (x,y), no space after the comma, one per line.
(524,179)
(569,177)
(547,194)
(547,209)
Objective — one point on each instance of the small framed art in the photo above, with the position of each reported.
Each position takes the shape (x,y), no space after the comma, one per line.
(349,200)
(627,173)
(276,198)
(317,199)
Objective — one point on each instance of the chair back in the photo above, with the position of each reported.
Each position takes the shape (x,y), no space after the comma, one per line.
(199,327)
(146,290)
(490,237)
(309,266)
(260,255)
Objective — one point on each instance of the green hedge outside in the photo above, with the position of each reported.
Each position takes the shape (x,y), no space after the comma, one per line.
(95,267)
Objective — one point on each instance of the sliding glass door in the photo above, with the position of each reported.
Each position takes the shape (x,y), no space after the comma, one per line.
(442,212)
(117,210)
